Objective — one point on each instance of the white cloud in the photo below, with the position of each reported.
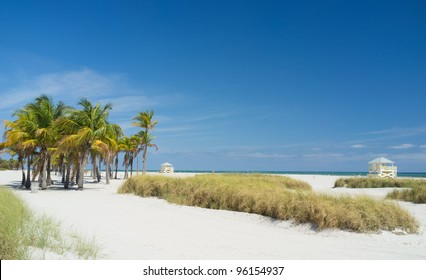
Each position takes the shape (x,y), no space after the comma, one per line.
(398,132)
(64,86)
(70,86)
(423,146)
(357,146)
(323,155)
(402,146)
(173,129)
(131,103)
(259,155)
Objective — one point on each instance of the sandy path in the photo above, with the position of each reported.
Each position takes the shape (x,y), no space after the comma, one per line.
(131,227)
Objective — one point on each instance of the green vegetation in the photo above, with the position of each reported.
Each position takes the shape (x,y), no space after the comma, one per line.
(370,182)
(10,164)
(23,235)
(46,135)
(416,194)
(276,197)
(416,188)
(13,216)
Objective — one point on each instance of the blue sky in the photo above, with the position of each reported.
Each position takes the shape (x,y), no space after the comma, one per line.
(235,85)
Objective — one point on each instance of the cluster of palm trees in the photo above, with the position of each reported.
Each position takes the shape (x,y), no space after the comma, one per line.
(46,135)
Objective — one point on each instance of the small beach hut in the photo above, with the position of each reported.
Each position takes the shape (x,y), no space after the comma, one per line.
(167,168)
(382,167)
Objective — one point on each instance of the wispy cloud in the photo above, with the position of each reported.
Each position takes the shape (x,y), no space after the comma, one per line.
(212,116)
(323,155)
(173,129)
(402,146)
(136,103)
(398,132)
(259,155)
(70,86)
(358,146)
(63,85)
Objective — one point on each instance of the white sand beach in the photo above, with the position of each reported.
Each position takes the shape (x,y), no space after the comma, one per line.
(131,227)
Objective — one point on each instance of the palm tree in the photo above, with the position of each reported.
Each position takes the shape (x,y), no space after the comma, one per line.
(124,146)
(13,150)
(130,147)
(45,113)
(111,149)
(146,142)
(86,130)
(144,120)
(20,137)
(69,152)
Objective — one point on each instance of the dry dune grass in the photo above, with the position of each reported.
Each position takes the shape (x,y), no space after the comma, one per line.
(415,188)
(415,195)
(369,182)
(276,197)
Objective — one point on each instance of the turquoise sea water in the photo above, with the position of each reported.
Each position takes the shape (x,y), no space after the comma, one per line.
(333,173)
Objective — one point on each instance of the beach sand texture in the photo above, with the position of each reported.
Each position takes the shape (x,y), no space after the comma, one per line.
(131,227)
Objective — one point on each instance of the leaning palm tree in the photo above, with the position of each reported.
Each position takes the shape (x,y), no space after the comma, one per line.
(145,121)
(20,136)
(13,150)
(86,130)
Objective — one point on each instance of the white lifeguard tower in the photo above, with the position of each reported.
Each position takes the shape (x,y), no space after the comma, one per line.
(167,168)
(382,167)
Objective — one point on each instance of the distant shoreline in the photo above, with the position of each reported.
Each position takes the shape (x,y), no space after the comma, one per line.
(330,173)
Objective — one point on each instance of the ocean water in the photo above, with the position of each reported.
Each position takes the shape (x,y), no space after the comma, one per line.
(332,173)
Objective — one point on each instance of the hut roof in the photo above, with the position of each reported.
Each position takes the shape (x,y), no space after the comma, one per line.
(381,160)
(166,164)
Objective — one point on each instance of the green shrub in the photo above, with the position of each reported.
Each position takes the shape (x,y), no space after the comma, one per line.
(277,197)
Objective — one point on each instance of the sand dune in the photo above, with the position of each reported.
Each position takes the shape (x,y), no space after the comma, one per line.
(131,227)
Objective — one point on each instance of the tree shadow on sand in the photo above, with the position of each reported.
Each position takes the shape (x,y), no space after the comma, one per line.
(57,186)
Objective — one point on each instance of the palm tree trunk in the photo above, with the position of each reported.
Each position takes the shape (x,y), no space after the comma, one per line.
(107,170)
(21,164)
(74,171)
(63,167)
(144,161)
(98,172)
(81,171)
(28,182)
(137,164)
(67,177)
(131,166)
(43,174)
(48,170)
(116,166)
(126,167)
(23,176)
(94,168)
(36,170)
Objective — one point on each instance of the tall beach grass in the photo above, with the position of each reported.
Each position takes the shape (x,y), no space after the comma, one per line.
(276,197)
(416,195)
(13,216)
(23,235)
(414,189)
(372,182)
